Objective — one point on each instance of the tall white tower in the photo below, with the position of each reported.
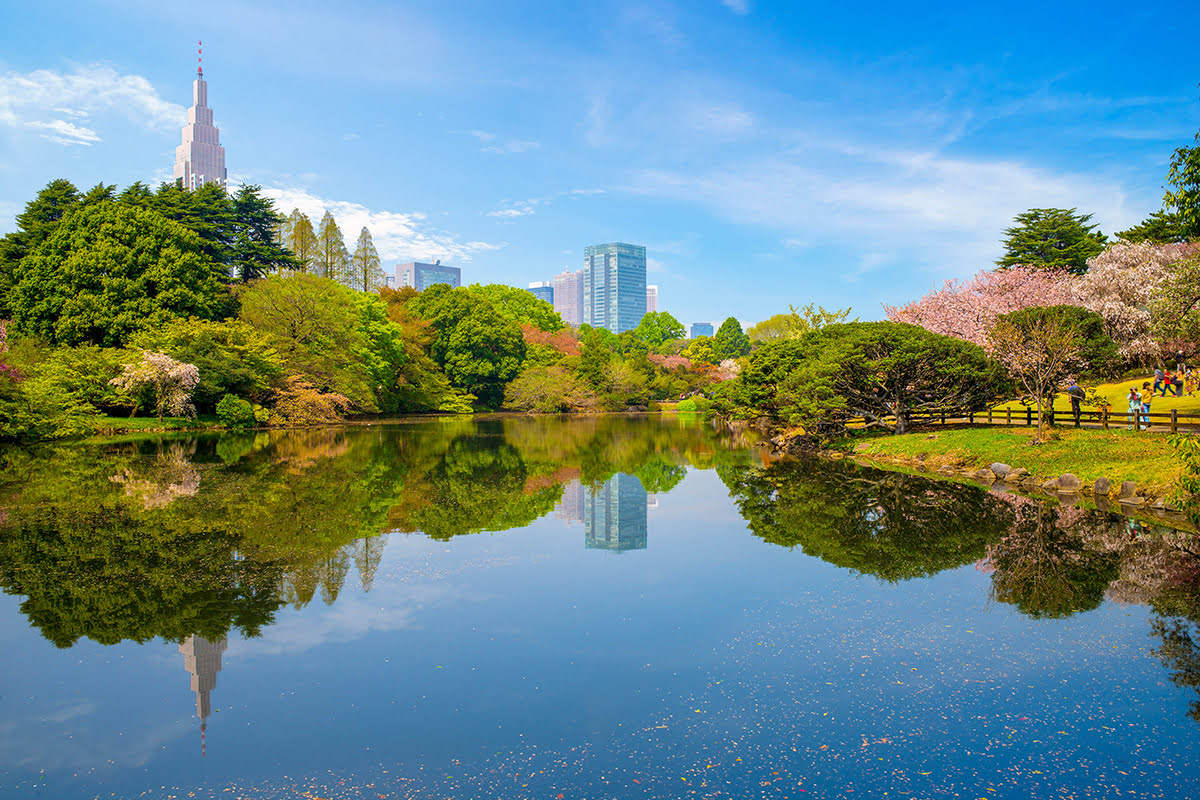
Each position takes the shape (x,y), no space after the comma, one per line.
(200,159)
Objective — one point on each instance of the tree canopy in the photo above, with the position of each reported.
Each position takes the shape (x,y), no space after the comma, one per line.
(657,327)
(1052,238)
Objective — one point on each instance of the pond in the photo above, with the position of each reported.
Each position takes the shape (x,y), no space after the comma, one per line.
(605,607)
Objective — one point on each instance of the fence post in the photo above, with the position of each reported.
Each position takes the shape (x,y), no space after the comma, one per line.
(1104,416)
(989,416)
(971,417)
(1028,417)
(943,416)
(1174,420)
(1009,413)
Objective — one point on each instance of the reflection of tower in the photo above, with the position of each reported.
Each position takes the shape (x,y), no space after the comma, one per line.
(651,501)
(570,508)
(203,659)
(614,518)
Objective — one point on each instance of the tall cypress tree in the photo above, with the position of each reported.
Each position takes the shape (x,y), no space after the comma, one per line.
(255,250)
(332,258)
(1052,238)
(34,226)
(366,271)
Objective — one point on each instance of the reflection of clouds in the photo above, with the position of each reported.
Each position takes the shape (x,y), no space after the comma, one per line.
(36,741)
(352,617)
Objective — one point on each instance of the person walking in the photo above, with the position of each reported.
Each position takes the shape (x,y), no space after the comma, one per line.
(1158,380)
(1147,396)
(1135,406)
(1076,394)
(1177,384)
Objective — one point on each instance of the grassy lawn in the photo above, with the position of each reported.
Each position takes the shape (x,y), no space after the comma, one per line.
(1117,454)
(1116,393)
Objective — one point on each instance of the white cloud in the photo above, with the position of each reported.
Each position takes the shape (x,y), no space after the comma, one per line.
(398,236)
(484,136)
(33,100)
(949,212)
(741,7)
(64,132)
(512,146)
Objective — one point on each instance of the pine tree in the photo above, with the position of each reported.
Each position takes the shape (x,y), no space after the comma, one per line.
(1052,238)
(255,250)
(34,226)
(332,258)
(366,271)
(301,240)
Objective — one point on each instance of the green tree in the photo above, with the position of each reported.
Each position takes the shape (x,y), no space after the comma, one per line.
(108,271)
(657,327)
(479,350)
(548,390)
(877,371)
(1161,227)
(1052,238)
(256,252)
(301,240)
(701,350)
(795,323)
(520,305)
(366,271)
(1183,198)
(314,324)
(34,226)
(208,212)
(233,357)
(331,259)
(731,341)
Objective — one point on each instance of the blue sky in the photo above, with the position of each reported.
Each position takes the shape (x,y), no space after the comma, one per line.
(765,153)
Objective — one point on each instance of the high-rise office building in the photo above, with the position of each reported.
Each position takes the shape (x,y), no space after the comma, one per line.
(200,158)
(543,290)
(421,276)
(701,329)
(651,298)
(614,517)
(568,296)
(614,286)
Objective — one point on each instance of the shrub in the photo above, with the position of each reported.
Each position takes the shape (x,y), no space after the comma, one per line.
(235,412)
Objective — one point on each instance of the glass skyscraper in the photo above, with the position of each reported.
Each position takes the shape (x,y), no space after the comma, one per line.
(614,286)
(614,517)
(421,276)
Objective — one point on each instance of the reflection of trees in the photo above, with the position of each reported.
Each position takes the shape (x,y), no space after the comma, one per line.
(174,535)
(1055,562)
(886,524)
(163,479)
(110,574)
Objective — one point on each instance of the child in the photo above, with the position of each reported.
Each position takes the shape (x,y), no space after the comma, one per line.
(1190,382)
(1147,396)
(1135,405)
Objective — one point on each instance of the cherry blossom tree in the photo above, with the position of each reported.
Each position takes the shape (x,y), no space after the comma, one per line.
(171,381)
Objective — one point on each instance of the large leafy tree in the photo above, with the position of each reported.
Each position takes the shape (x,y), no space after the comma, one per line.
(366,271)
(657,327)
(34,225)
(795,323)
(208,212)
(730,340)
(1040,347)
(332,259)
(877,371)
(109,270)
(1183,196)
(315,325)
(1052,238)
(520,305)
(479,349)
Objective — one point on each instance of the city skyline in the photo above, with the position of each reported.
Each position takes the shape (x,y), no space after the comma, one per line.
(846,160)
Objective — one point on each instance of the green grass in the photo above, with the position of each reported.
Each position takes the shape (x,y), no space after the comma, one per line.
(1120,455)
(1116,393)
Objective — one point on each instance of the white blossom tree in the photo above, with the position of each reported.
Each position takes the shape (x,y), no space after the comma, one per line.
(171,381)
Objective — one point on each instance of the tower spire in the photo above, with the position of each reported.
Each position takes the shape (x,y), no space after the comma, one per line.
(200,58)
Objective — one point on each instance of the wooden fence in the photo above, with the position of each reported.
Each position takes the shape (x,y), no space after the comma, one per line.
(1105,418)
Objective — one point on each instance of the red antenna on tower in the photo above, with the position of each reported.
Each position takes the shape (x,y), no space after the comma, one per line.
(199,57)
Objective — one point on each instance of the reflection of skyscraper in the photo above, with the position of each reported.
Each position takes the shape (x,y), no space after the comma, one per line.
(203,659)
(570,508)
(614,518)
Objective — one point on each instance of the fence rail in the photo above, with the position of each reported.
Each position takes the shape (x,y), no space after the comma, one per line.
(1104,418)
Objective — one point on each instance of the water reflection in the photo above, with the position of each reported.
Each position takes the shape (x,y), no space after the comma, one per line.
(202,659)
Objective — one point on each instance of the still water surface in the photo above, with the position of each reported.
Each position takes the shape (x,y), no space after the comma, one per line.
(588,608)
